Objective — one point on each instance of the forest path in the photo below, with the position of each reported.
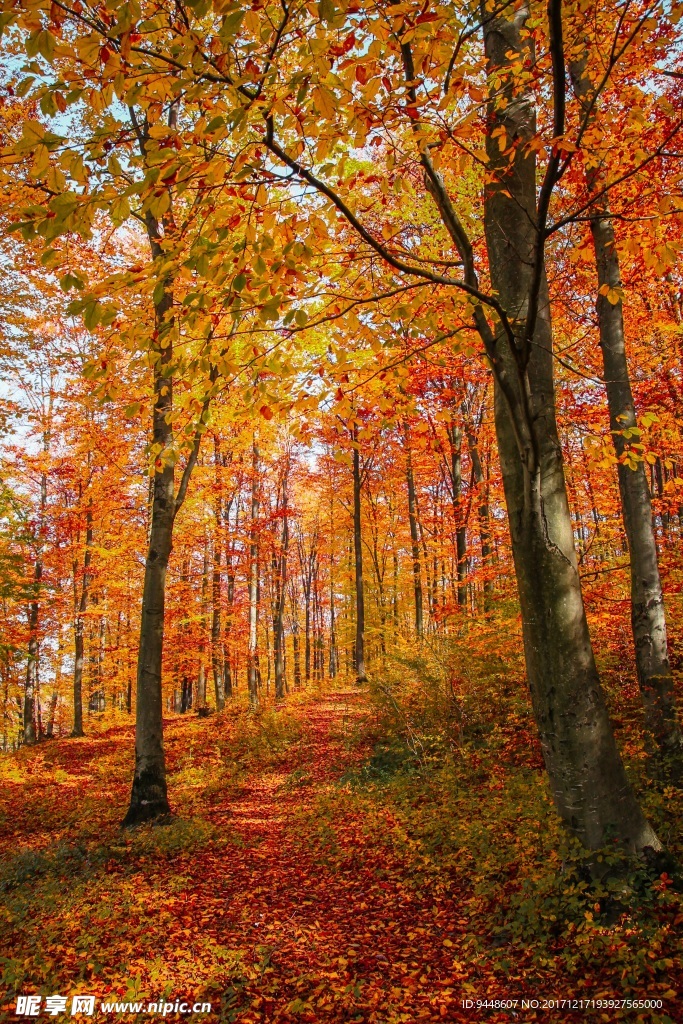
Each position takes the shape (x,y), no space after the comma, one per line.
(279,893)
(321,900)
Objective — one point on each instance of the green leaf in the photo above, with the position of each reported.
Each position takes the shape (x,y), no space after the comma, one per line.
(231,25)
(120,210)
(70,281)
(25,85)
(326,10)
(42,42)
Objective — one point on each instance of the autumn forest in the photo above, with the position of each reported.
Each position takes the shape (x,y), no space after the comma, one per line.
(341,510)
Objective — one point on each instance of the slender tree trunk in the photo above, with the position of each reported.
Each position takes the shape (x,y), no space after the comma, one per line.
(307,628)
(129,667)
(414,540)
(394,599)
(431,588)
(148,796)
(587,777)
(252,661)
(455,472)
(216,646)
(229,683)
(361,676)
(80,610)
(51,710)
(296,646)
(230,674)
(31,732)
(201,674)
(334,657)
(648,620)
(280,583)
(483,514)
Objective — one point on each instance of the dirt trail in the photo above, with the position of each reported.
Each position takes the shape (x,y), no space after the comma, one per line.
(336,931)
(276,894)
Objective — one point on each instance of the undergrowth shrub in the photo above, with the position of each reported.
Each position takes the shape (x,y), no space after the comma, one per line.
(454,754)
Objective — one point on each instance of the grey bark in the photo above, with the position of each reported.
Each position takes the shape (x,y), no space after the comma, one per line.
(31,723)
(80,607)
(587,777)
(414,540)
(361,675)
(216,646)
(648,621)
(483,513)
(252,659)
(149,794)
(201,674)
(280,584)
(455,472)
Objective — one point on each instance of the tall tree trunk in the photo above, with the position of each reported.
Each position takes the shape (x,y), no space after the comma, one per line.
(455,473)
(80,609)
(334,656)
(52,707)
(129,667)
(31,732)
(228,681)
(588,781)
(307,628)
(252,660)
(280,583)
(483,514)
(361,675)
(648,620)
(414,540)
(394,599)
(230,676)
(149,796)
(296,647)
(201,673)
(216,645)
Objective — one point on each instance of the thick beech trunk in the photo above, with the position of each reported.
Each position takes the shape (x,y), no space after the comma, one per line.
(647,600)
(587,777)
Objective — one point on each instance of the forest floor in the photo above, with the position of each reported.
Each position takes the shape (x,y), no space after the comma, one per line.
(302,880)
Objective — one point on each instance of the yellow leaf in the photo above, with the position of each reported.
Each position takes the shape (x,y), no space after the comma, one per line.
(324,102)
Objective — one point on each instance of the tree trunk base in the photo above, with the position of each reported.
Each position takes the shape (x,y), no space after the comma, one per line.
(148,801)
